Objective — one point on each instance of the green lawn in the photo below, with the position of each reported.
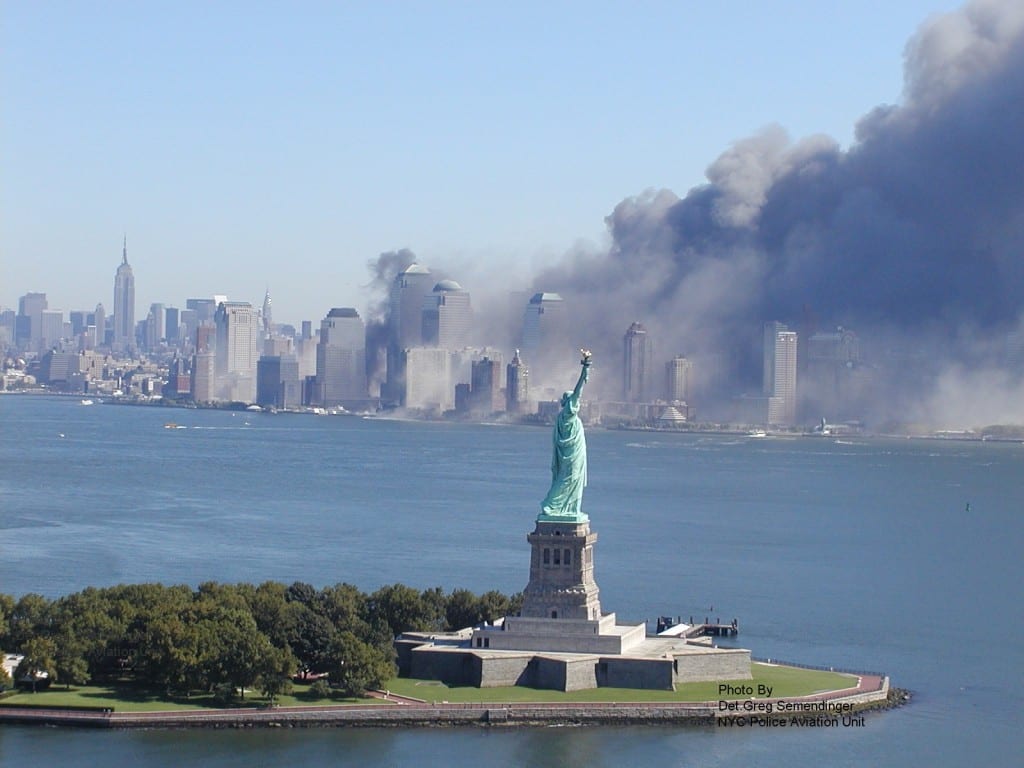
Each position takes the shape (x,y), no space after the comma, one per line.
(784,681)
(132,698)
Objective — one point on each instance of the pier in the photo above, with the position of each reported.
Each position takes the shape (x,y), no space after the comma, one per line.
(666,626)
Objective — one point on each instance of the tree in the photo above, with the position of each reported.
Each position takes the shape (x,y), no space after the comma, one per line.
(310,639)
(402,609)
(232,649)
(69,660)
(6,609)
(38,663)
(5,679)
(357,667)
(29,619)
(275,673)
(463,609)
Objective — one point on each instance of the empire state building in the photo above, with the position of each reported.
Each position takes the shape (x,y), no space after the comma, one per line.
(123,315)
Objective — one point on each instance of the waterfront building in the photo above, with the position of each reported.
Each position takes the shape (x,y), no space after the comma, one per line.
(124,305)
(341,358)
(447,316)
(486,395)
(779,382)
(277,382)
(236,351)
(427,380)
(678,374)
(203,377)
(636,365)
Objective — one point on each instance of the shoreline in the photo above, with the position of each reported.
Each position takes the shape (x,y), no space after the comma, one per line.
(816,710)
(725,430)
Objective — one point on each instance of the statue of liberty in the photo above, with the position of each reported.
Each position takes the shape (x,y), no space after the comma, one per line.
(569,457)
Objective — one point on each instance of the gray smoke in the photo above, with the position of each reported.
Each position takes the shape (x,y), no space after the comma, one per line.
(912,237)
(383,271)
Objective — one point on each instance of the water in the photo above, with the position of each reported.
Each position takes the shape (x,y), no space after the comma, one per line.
(854,553)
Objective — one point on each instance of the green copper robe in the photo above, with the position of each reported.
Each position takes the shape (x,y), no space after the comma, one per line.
(569,457)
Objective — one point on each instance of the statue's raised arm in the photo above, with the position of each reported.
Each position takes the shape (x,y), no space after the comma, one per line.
(569,456)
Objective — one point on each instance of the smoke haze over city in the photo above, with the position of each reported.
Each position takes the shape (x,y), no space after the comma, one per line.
(909,235)
(912,237)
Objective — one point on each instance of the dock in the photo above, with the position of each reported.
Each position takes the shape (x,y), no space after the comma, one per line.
(668,627)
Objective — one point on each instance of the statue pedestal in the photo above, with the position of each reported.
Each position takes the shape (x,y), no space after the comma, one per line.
(561,611)
(562,582)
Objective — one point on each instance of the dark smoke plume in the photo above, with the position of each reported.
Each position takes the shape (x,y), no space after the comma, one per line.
(912,237)
(383,271)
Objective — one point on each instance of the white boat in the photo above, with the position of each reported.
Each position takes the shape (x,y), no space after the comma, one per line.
(87,402)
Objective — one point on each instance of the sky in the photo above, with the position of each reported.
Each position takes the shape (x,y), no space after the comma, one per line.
(241,146)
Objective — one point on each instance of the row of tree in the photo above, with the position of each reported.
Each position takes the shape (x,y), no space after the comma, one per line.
(226,638)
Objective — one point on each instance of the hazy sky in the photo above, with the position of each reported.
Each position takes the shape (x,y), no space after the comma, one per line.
(246,145)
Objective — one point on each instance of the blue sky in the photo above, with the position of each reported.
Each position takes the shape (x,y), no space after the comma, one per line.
(241,145)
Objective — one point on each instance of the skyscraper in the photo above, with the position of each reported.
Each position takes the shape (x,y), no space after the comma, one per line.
(341,358)
(405,324)
(517,389)
(236,351)
(268,314)
(29,321)
(779,385)
(447,316)
(155,326)
(427,382)
(544,338)
(124,305)
(101,325)
(485,387)
(636,367)
(678,372)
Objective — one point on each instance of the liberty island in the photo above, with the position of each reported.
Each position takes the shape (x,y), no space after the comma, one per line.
(762,503)
(561,639)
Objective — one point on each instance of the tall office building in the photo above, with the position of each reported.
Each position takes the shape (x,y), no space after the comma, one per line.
(427,383)
(8,324)
(79,321)
(155,326)
(277,381)
(236,351)
(101,325)
(51,329)
(267,314)
(405,324)
(779,385)
(124,305)
(447,316)
(341,358)
(678,375)
(517,386)
(636,364)
(29,321)
(486,396)
(171,321)
(204,309)
(545,339)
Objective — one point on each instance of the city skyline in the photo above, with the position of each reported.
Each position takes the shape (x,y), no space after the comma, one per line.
(910,233)
(272,154)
